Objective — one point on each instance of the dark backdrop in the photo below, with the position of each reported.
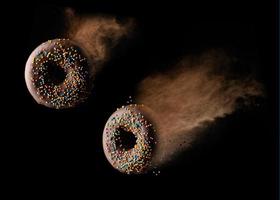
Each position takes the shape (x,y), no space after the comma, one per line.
(56,148)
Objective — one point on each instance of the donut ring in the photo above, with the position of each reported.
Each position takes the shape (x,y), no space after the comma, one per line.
(57,74)
(137,157)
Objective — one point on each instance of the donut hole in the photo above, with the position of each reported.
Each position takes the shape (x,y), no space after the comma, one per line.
(126,140)
(55,73)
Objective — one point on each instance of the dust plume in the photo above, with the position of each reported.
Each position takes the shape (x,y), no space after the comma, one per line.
(198,90)
(96,34)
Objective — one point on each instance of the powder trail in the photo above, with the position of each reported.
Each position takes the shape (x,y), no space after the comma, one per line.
(97,35)
(197,90)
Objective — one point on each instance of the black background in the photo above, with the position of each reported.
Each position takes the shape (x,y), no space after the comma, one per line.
(49,150)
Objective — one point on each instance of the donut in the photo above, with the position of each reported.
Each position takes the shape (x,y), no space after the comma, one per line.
(129,139)
(57,74)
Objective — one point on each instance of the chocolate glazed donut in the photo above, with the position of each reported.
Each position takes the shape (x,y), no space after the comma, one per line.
(129,139)
(57,74)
